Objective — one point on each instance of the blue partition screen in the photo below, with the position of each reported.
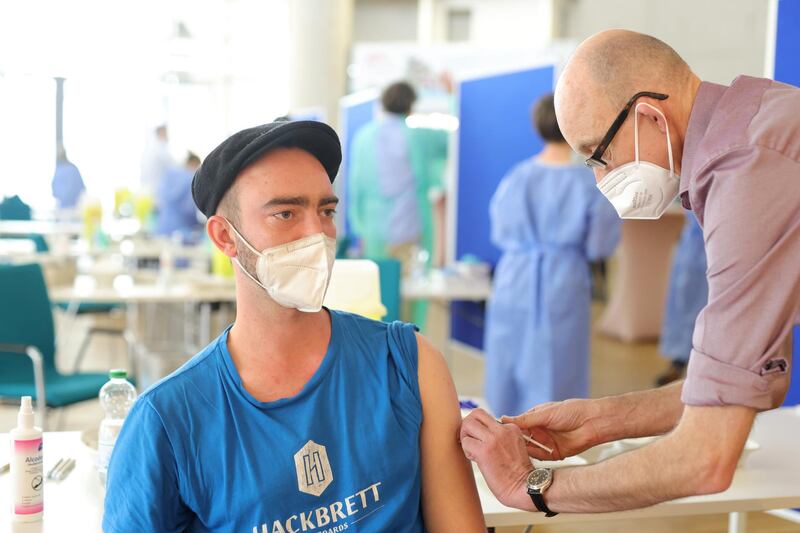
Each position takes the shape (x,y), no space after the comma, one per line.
(495,133)
(353,117)
(787,70)
(787,42)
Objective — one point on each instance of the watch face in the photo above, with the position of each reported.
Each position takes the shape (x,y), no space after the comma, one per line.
(538,477)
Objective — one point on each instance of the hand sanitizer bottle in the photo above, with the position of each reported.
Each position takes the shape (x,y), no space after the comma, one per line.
(27,480)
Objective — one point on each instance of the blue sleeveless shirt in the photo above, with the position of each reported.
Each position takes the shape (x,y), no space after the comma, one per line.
(197,452)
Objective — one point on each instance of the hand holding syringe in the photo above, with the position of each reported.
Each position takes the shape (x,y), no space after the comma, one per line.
(533,441)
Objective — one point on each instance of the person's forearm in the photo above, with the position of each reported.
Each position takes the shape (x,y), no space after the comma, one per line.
(641,478)
(699,457)
(639,414)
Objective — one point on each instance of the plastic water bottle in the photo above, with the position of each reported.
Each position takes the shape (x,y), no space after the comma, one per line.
(116,397)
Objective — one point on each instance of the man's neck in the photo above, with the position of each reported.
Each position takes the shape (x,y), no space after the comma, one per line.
(269,341)
(682,113)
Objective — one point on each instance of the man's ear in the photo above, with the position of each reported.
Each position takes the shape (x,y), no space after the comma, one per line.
(649,113)
(220,233)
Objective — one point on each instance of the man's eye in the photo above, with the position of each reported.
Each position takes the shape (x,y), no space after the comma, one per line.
(283,215)
(329,212)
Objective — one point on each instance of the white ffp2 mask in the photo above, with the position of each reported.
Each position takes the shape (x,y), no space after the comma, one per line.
(640,189)
(296,274)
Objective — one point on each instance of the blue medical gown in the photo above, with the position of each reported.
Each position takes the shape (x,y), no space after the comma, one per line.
(177,212)
(688,292)
(67,185)
(550,222)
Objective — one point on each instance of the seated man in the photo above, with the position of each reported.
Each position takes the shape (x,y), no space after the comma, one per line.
(297,418)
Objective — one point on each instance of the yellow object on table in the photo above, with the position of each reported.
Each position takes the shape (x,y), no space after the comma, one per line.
(92,220)
(355,287)
(143,205)
(220,263)
(123,202)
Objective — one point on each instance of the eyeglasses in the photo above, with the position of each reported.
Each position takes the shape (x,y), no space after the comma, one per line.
(595,160)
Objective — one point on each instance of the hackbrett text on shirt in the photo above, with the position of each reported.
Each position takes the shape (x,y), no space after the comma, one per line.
(332,518)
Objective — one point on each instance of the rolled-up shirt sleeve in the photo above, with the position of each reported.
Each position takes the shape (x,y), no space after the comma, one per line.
(751,224)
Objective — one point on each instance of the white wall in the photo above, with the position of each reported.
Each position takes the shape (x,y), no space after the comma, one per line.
(720,39)
(500,23)
(385,20)
(493,23)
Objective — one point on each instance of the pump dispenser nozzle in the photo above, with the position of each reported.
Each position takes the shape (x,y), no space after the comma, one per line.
(25,415)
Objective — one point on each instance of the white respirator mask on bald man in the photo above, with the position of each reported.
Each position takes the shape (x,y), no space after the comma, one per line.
(640,189)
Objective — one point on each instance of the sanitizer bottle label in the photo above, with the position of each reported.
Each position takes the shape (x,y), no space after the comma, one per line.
(28,457)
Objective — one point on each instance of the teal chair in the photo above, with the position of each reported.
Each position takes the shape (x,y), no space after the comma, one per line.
(390,274)
(13,208)
(27,345)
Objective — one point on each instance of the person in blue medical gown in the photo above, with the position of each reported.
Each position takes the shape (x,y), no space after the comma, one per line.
(67,182)
(176,210)
(688,294)
(550,221)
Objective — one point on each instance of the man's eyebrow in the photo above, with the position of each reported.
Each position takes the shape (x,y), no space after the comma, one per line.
(286,200)
(329,200)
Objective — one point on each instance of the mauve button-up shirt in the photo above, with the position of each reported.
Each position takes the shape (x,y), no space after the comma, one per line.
(741,177)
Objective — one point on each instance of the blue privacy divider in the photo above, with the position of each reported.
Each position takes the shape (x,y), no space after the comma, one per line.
(787,42)
(787,70)
(355,111)
(793,396)
(495,133)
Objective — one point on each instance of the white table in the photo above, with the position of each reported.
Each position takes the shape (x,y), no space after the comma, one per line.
(75,504)
(40,227)
(152,248)
(200,290)
(442,289)
(112,226)
(168,291)
(770,479)
(447,288)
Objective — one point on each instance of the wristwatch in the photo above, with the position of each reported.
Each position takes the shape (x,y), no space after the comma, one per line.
(539,481)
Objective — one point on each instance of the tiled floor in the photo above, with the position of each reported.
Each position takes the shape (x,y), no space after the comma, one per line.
(616,368)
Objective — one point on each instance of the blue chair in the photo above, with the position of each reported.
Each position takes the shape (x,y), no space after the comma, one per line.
(390,274)
(27,345)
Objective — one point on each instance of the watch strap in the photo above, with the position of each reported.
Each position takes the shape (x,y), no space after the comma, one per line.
(538,501)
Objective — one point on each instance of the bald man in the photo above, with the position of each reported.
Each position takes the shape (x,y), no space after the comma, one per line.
(651,130)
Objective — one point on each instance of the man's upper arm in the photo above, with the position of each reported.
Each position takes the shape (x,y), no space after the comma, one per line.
(751,224)
(449,497)
(142,491)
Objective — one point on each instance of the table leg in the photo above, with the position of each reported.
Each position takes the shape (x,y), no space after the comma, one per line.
(737,523)
(205,324)
(68,323)
(190,340)
(132,338)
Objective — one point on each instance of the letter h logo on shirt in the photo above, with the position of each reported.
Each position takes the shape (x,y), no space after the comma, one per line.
(313,469)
